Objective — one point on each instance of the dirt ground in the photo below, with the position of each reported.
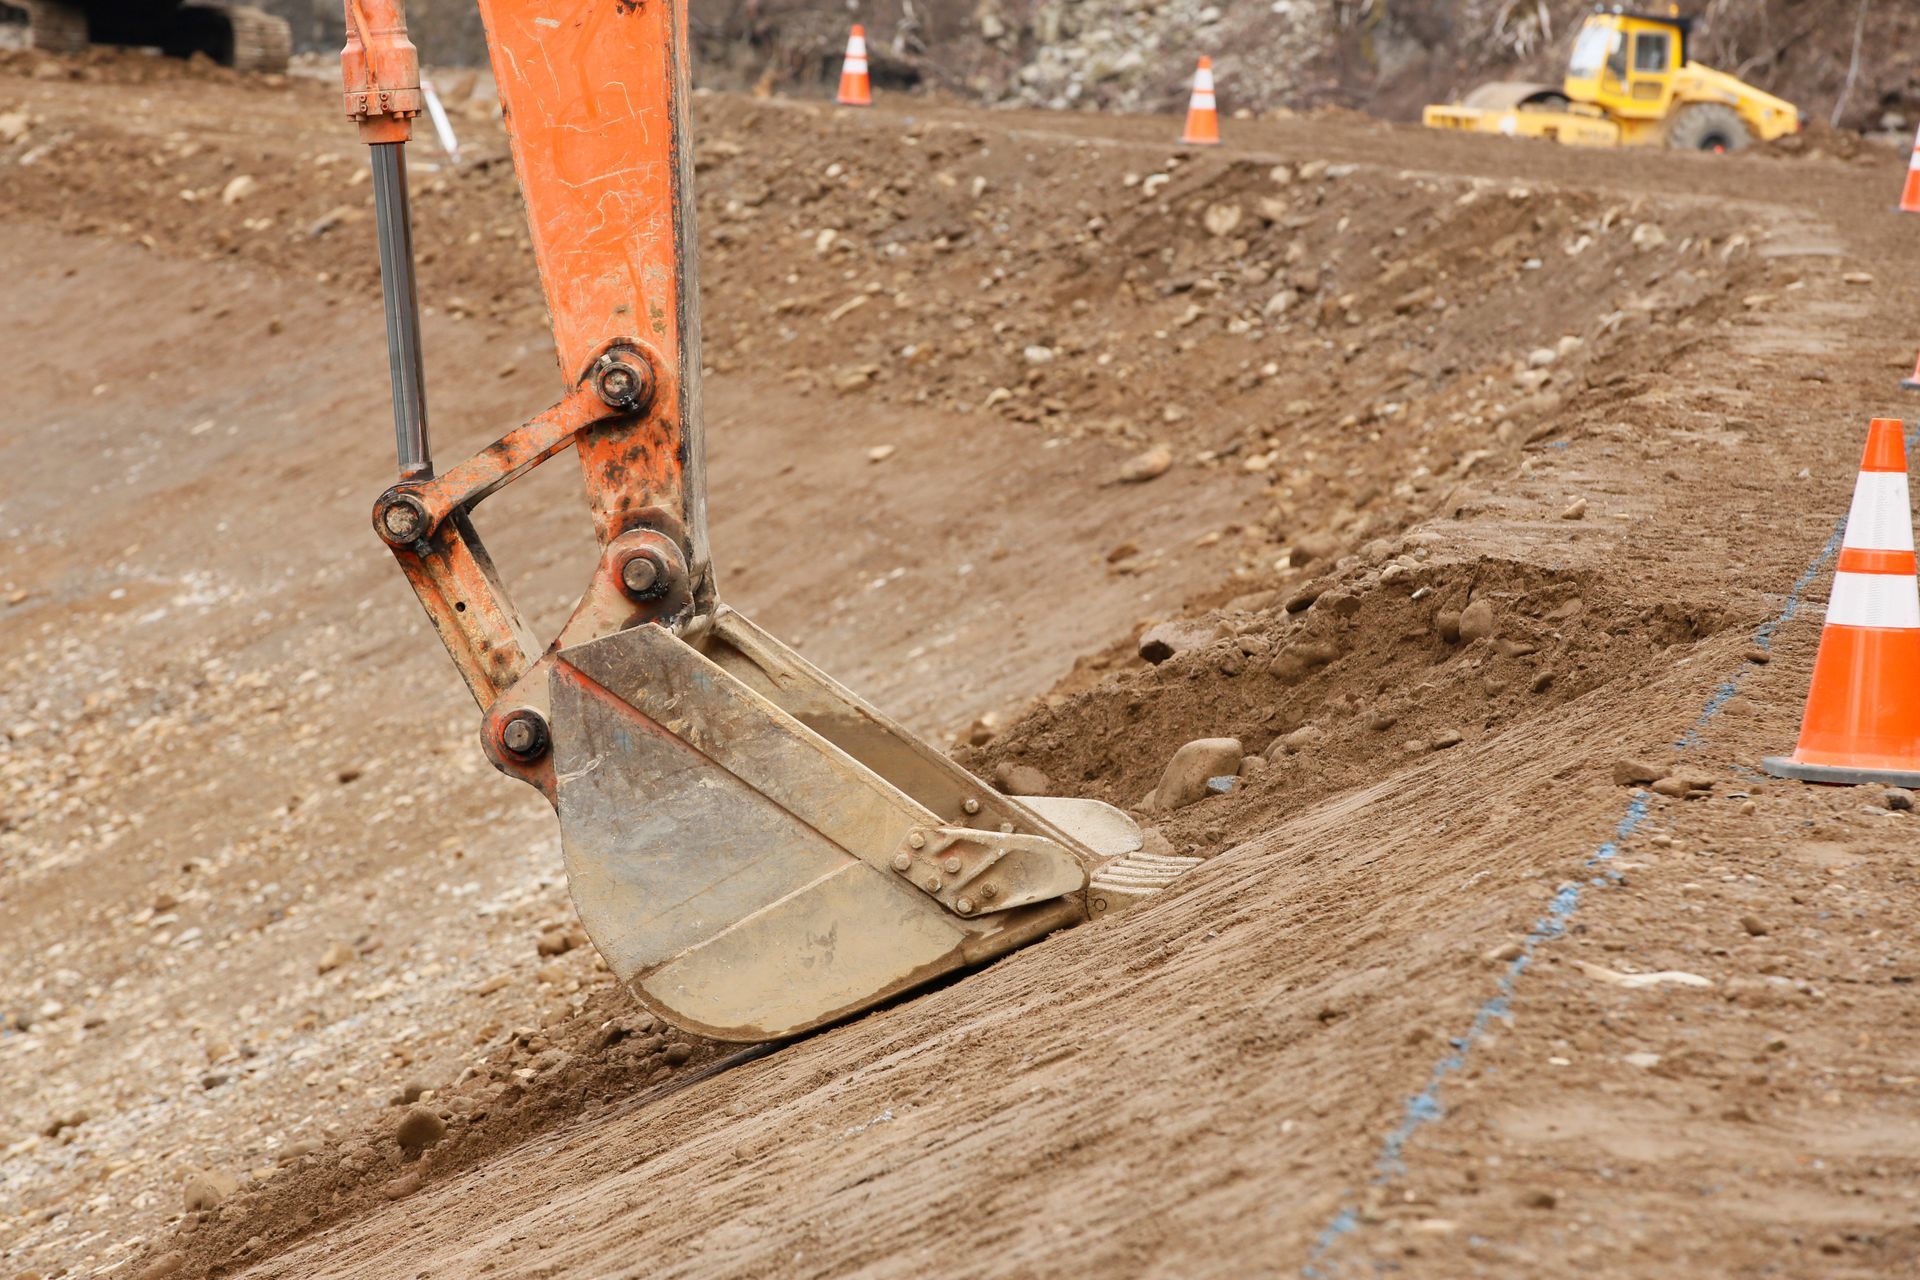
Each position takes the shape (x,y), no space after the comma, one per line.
(1490,465)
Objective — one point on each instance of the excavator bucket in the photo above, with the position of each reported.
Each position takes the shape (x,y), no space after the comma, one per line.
(755,851)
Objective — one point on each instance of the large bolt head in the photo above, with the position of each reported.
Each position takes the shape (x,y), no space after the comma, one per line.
(624,382)
(644,575)
(524,735)
(639,574)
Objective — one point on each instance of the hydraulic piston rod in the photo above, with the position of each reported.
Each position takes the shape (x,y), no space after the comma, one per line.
(393,222)
(380,70)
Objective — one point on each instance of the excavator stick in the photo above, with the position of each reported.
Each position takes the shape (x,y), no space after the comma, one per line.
(754,850)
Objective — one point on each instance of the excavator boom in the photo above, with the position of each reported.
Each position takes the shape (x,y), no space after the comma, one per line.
(755,851)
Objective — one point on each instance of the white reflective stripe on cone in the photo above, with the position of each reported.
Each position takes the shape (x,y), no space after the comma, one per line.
(1881,518)
(1200,102)
(856,66)
(1203,82)
(1874,600)
(856,47)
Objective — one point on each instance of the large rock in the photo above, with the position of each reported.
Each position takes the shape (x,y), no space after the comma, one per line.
(1477,621)
(419,1129)
(1150,464)
(1185,779)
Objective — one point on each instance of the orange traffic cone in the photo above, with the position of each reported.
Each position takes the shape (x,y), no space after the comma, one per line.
(1862,722)
(1203,116)
(855,89)
(1912,381)
(1910,194)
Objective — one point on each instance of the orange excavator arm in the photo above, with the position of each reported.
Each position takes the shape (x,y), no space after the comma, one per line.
(754,850)
(596,105)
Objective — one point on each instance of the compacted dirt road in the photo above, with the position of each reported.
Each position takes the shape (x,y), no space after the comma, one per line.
(1491,466)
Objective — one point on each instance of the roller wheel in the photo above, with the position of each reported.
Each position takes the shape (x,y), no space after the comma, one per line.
(237,36)
(261,42)
(1707,126)
(56,28)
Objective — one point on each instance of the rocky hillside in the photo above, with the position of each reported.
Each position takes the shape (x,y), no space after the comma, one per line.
(1382,56)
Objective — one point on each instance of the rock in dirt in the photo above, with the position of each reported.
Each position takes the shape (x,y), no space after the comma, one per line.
(1576,510)
(205,1190)
(66,1120)
(239,189)
(1628,772)
(677,1054)
(1305,738)
(337,954)
(167,1264)
(1897,798)
(1755,926)
(419,1129)
(554,942)
(409,1094)
(1645,1061)
(1446,625)
(1641,981)
(1448,738)
(1162,640)
(1675,787)
(1477,621)
(1186,775)
(402,1187)
(1221,218)
(1149,465)
(1021,780)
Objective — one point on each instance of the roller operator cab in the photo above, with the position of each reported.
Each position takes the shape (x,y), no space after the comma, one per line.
(1629,82)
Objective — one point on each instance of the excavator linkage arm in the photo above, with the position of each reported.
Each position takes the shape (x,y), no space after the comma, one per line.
(754,850)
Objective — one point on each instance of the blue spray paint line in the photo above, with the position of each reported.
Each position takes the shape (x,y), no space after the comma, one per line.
(1763,637)
(1424,1107)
